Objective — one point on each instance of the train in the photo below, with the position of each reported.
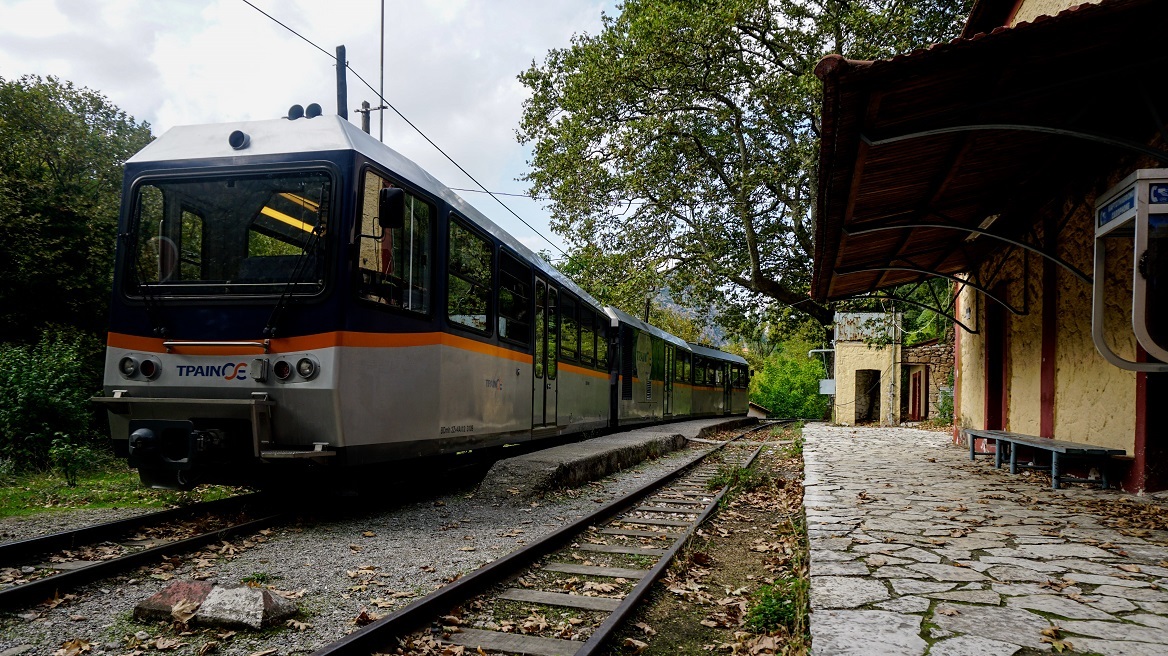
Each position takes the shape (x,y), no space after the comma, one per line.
(292,293)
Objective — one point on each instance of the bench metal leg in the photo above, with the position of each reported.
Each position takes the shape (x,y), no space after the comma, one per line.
(997,454)
(1013,458)
(1054,470)
(1103,475)
(970,439)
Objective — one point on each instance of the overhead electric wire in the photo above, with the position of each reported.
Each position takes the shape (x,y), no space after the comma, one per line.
(411,124)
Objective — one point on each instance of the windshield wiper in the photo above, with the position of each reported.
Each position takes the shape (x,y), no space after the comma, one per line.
(297,271)
(150,303)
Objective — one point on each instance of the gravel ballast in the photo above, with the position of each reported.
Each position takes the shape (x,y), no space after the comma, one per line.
(376,561)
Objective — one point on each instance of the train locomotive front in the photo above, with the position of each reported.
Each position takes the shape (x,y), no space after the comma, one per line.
(273,310)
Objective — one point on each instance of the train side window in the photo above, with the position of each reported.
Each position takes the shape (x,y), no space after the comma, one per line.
(569,330)
(469,275)
(679,368)
(602,343)
(587,337)
(541,326)
(734,375)
(394,264)
(514,299)
(699,371)
(553,331)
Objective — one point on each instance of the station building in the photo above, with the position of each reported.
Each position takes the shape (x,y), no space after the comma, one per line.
(991,160)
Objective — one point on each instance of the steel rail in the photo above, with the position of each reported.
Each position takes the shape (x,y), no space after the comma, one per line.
(629,604)
(12,553)
(401,622)
(51,586)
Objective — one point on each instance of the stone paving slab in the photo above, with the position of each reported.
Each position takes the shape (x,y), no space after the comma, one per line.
(917,551)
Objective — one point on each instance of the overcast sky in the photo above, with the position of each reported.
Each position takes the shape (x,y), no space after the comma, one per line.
(450,67)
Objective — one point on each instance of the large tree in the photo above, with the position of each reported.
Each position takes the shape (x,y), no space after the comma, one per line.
(60,185)
(683,137)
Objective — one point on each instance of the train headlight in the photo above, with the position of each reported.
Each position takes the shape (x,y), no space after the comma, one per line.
(150,369)
(128,366)
(282,369)
(306,368)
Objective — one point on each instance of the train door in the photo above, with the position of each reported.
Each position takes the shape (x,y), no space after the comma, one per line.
(669,364)
(544,389)
(726,390)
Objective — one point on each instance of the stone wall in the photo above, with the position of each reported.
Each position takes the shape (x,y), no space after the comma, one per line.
(938,356)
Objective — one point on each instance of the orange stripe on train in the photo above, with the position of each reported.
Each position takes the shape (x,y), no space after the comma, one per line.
(321,341)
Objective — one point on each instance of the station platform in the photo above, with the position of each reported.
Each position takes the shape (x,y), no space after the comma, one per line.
(570,465)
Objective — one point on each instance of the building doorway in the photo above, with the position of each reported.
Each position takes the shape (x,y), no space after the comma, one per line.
(867,396)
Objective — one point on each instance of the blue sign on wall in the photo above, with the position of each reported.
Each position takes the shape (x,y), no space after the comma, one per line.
(1124,203)
(1158,193)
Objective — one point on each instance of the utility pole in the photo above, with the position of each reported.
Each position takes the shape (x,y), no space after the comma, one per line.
(342,85)
(381,85)
(364,112)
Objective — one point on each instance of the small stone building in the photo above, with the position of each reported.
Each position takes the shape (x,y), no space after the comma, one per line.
(926,379)
(867,380)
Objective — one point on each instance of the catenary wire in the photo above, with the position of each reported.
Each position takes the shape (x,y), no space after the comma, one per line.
(411,124)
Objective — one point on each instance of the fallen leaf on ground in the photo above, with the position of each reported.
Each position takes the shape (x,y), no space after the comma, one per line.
(183,611)
(637,645)
(73,648)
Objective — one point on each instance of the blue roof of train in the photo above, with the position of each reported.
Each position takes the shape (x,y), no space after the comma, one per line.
(708,352)
(621,315)
(303,136)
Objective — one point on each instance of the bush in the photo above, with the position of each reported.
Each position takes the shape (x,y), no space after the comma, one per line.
(788,384)
(44,396)
(71,458)
(778,605)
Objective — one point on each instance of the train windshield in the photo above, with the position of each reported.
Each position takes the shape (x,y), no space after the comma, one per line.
(229,235)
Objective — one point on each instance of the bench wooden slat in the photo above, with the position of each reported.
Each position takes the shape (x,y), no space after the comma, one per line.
(1057,449)
(1047,444)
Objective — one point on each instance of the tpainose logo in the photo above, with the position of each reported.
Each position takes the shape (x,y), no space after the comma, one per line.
(229,371)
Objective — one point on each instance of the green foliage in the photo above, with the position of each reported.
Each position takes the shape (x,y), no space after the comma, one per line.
(71,458)
(44,395)
(60,186)
(779,605)
(788,383)
(683,137)
(740,479)
(945,403)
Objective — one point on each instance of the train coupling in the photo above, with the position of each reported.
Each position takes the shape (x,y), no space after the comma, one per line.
(173,444)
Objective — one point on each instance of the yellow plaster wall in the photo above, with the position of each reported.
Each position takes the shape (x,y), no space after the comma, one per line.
(969,375)
(1095,402)
(850,356)
(1031,9)
(1024,345)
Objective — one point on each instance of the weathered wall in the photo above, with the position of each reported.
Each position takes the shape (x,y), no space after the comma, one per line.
(939,358)
(1031,9)
(850,356)
(1094,401)
(969,374)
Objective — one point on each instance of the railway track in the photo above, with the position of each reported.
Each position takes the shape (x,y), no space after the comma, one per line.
(651,524)
(59,561)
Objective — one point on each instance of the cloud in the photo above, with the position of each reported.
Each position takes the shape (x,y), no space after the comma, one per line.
(450,67)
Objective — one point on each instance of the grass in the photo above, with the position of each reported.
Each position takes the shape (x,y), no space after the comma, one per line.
(107,484)
(780,605)
(739,480)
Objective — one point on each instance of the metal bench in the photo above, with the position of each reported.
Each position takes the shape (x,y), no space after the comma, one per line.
(1058,449)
